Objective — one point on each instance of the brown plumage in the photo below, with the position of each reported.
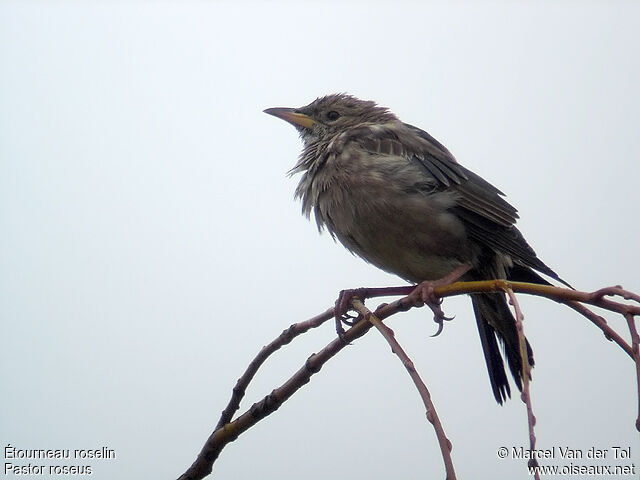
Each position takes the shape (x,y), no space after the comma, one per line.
(396,197)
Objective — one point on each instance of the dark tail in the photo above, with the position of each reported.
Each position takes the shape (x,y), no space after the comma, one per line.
(496,324)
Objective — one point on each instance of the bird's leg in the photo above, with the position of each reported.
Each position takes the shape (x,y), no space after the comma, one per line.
(342,306)
(424,294)
(343,303)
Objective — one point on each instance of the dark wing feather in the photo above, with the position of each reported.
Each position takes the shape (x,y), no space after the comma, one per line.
(479,196)
(487,216)
(510,241)
(474,193)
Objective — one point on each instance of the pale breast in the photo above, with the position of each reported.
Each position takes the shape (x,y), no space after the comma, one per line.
(381,208)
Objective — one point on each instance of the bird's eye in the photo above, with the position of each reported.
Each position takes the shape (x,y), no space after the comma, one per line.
(333,115)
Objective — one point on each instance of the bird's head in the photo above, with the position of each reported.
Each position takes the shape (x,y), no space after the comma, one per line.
(327,116)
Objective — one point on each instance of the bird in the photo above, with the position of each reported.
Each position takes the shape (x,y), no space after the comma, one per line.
(396,197)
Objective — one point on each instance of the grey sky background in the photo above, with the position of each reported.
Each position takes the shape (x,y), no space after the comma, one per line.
(150,244)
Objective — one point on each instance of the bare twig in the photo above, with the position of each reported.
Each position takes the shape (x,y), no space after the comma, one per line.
(525,396)
(557,294)
(283,339)
(432,415)
(562,295)
(228,430)
(601,323)
(635,342)
(227,433)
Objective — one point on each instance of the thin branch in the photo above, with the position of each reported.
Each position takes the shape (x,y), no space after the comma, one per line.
(283,339)
(616,291)
(635,342)
(203,464)
(561,295)
(558,294)
(548,291)
(526,377)
(601,323)
(228,430)
(432,415)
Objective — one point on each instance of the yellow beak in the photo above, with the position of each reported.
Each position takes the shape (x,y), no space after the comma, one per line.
(290,115)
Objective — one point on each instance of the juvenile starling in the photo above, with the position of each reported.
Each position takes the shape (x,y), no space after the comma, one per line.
(395,196)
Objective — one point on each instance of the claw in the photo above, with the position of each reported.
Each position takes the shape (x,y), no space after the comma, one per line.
(424,294)
(440,321)
(339,329)
(440,328)
(348,319)
(341,311)
(343,303)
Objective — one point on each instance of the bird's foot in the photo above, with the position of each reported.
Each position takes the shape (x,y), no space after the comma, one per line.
(424,294)
(342,307)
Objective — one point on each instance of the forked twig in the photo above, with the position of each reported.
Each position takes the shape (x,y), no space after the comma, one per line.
(228,430)
(283,339)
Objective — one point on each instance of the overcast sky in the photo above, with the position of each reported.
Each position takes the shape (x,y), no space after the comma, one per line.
(150,244)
